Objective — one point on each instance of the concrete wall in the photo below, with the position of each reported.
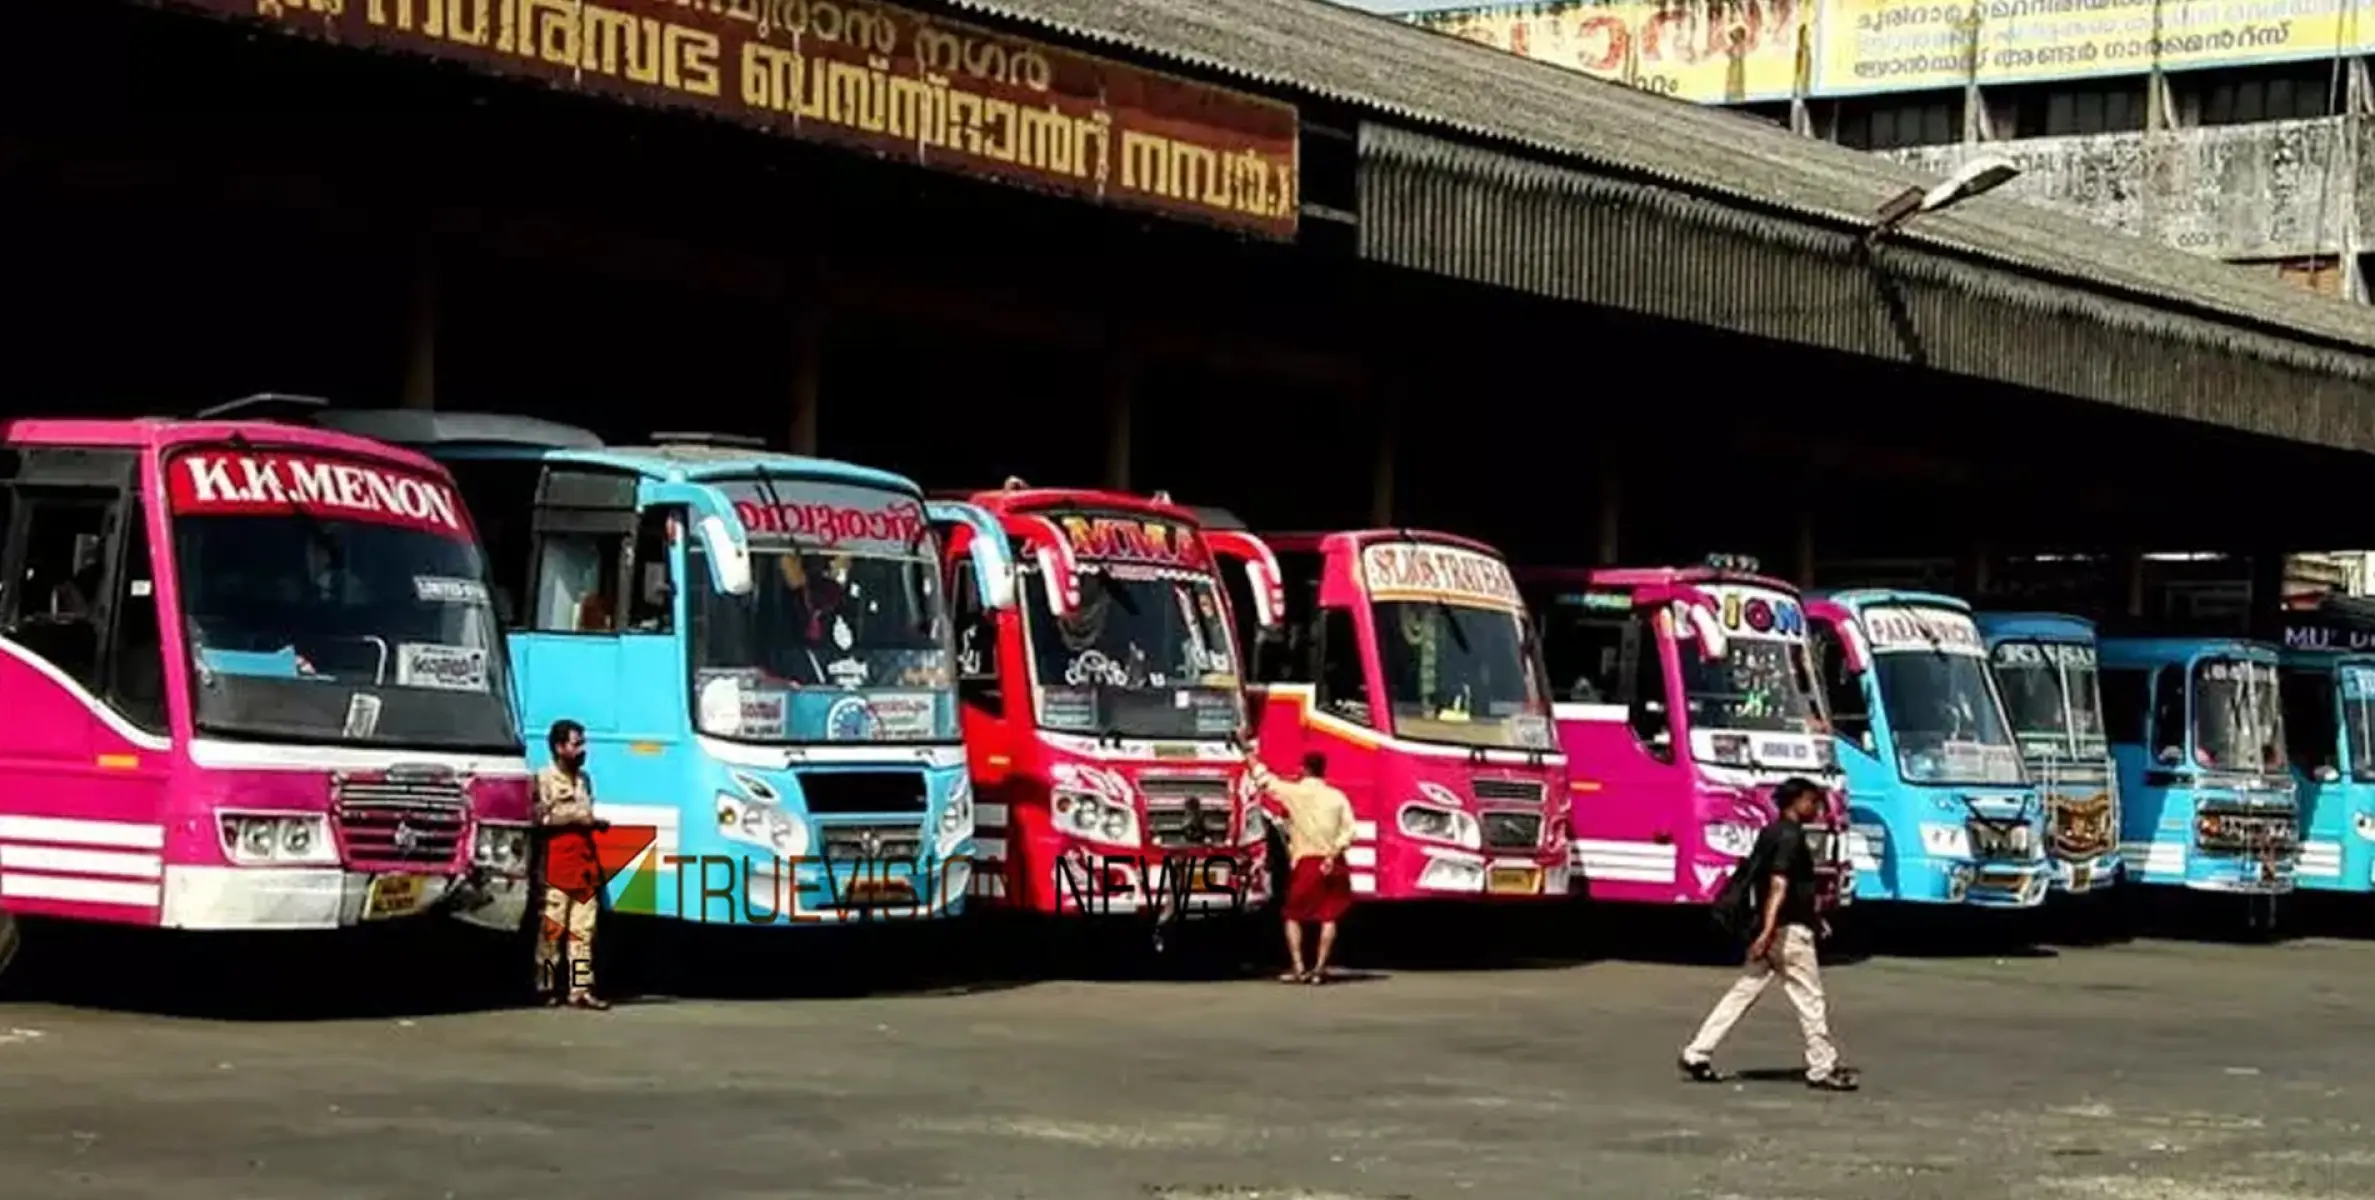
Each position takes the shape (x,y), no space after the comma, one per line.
(2276,190)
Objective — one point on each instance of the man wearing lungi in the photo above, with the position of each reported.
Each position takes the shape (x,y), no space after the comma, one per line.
(1319,828)
(572,871)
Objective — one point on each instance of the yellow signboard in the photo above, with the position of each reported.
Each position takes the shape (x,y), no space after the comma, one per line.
(1704,51)
(1741,51)
(1904,45)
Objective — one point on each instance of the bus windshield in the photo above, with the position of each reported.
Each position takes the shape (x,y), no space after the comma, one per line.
(2053,698)
(2238,724)
(1944,718)
(1759,685)
(1462,674)
(2358,719)
(337,601)
(827,647)
(1147,654)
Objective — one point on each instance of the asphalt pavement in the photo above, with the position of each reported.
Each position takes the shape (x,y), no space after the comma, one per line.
(2152,1070)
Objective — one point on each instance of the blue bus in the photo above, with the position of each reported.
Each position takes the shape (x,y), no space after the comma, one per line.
(2326,675)
(2046,671)
(2197,732)
(759,647)
(1940,807)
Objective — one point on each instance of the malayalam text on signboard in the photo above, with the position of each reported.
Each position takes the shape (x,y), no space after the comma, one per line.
(1741,51)
(884,79)
(1903,45)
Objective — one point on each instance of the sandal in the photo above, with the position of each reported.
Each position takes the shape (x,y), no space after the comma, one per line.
(1316,978)
(589,1002)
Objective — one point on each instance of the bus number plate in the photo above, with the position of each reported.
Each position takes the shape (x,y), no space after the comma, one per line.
(1514,881)
(394,896)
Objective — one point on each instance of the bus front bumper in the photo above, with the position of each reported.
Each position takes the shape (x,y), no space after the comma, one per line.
(300,898)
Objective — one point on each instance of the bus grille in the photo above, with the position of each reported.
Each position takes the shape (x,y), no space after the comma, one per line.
(855,845)
(1511,829)
(393,823)
(1186,810)
(2002,840)
(1526,791)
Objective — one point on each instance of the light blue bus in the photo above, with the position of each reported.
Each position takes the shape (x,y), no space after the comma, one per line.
(1940,807)
(2327,678)
(759,647)
(2045,669)
(2197,731)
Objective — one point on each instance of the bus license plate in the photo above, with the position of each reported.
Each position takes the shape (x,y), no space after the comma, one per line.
(394,896)
(1514,881)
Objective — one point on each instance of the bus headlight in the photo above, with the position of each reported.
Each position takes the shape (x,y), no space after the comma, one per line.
(1083,815)
(277,839)
(763,825)
(1727,838)
(1449,826)
(502,849)
(956,816)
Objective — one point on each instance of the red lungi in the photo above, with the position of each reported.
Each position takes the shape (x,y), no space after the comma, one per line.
(1315,896)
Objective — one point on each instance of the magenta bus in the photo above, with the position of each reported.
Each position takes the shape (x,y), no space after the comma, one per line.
(254,681)
(1683,696)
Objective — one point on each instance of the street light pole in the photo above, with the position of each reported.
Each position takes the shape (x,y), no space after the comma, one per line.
(1984,173)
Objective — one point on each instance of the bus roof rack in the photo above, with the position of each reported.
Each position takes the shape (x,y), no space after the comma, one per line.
(432,427)
(263,406)
(731,441)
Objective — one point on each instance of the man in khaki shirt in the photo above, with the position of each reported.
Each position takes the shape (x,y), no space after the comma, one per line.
(1319,829)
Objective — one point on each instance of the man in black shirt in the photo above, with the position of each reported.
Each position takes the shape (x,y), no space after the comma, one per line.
(1784,945)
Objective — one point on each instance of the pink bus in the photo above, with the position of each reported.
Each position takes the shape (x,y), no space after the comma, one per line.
(1684,695)
(254,681)
(1407,660)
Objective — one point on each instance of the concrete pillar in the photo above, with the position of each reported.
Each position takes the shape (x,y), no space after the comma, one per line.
(808,372)
(1971,571)
(1121,410)
(2131,576)
(1387,429)
(1611,524)
(420,332)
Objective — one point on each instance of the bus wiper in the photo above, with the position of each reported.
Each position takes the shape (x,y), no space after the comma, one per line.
(1459,636)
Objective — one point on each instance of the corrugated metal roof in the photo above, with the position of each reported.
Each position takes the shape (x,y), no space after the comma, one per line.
(1317,49)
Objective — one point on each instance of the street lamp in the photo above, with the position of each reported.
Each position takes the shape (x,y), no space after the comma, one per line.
(1985,173)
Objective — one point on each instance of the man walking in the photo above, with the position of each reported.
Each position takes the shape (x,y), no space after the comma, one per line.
(572,870)
(1783,946)
(1319,827)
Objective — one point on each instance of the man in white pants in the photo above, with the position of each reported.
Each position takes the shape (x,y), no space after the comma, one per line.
(1784,947)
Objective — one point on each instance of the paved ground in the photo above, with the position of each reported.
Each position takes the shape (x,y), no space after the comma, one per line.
(2154,1070)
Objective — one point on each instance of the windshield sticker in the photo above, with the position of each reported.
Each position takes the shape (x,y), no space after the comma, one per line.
(1603,601)
(446,668)
(2038,654)
(902,716)
(1897,629)
(362,715)
(1411,571)
(267,483)
(829,516)
(1068,708)
(2227,670)
(848,672)
(1091,667)
(1755,612)
(764,713)
(1142,540)
(443,589)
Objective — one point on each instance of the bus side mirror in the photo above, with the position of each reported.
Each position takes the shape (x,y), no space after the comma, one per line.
(970,529)
(2327,774)
(1267,582)
(720,529)
(1852,651)
(1056,564)
(729,557)
(1694,617)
